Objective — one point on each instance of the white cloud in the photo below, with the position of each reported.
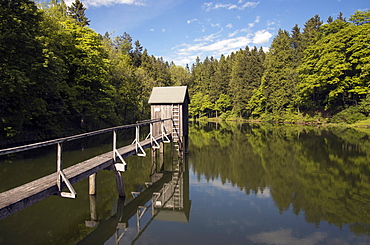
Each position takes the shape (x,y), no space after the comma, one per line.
(233,7)
(261,37)
(193,20)
(249,5)
(270,23)
(212,48)
(229,25)
(98,3)
(214,45)
(257,20)
(238,31)
(233,33)
(184,60)
(208,38)
(229,6)
(264,194)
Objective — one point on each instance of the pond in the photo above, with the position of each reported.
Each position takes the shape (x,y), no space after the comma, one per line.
(239,184)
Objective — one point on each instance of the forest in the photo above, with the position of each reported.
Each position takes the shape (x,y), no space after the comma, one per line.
(58,76)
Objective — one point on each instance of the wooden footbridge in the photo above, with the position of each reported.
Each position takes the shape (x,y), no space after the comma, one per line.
(166,102)
(23,196)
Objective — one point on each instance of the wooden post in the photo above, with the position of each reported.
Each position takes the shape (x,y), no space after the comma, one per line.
(161,153)
(92,184)
(119,182)
(120,187)
(114,146)
(59,166)
(186,144)
(93,213)
(154,161)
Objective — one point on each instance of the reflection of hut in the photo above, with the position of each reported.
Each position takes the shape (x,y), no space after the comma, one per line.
(171,102)
(173,200)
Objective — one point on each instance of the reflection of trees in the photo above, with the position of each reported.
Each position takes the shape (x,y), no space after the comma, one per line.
(323,173)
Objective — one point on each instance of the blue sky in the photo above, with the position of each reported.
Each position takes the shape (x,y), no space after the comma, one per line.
(181,30)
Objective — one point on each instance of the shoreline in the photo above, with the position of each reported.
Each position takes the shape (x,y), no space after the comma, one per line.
(361,124)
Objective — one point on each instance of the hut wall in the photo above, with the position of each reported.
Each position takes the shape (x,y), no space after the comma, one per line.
(185,117)
(162,111)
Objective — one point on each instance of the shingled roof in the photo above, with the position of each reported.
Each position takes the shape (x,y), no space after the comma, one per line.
(168,95)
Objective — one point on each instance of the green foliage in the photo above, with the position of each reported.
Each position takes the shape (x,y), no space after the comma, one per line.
(235,76)
(20,59)
(246,76)
(228,115)
(200,105)
(335,71)
(59,77)
(349,116)
(360,17)
(223,103)
(364,106)
(180,76)
(278,79)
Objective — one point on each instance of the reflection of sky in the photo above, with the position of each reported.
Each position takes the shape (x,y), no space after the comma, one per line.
(225,214)
(285,237)
(257,218)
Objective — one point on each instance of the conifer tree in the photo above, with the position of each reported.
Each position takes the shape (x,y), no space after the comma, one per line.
(222,76)
(136,54)
(238,81)
(360,17)
(77,12)
(278,79)
(311,31)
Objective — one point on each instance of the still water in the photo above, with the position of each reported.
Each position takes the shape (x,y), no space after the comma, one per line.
(239,184)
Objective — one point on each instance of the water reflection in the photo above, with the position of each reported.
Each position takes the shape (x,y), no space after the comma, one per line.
(320,173)
(166,196)
(248,184)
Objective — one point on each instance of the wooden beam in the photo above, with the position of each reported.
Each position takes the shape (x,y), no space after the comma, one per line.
(75,137)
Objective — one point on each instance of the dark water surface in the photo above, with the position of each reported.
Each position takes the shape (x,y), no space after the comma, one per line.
(239,184)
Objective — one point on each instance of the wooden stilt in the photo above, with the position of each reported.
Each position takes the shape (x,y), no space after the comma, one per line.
(119,182)
(161,149)
(186,144)
(161,161)
(154,161)
(92,184)
(93,212)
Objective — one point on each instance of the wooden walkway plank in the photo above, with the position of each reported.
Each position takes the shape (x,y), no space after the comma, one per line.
(18,198)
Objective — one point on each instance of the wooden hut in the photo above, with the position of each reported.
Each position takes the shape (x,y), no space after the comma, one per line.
(171,102)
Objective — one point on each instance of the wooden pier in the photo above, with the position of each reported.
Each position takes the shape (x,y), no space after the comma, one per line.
(16,199)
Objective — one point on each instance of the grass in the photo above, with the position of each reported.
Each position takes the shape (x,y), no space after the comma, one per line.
(364,123)
(363,126)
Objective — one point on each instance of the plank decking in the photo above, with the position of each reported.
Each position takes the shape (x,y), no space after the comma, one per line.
(23,196)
